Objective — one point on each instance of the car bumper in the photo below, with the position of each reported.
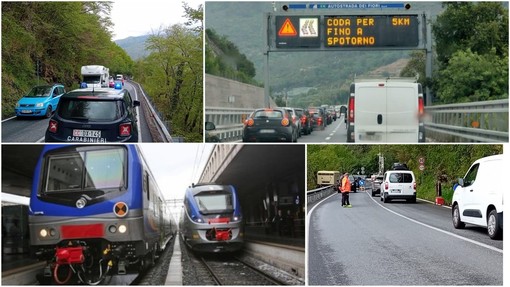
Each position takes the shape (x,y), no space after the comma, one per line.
(50,137)
(399,196)
(279,134)
(30,112)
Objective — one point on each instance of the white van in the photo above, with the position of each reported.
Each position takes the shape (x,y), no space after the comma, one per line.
(478,197)
(398,184)
(385,110)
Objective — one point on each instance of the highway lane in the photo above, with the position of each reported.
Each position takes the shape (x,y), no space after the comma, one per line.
(370,244)
(333,133)
(20,129)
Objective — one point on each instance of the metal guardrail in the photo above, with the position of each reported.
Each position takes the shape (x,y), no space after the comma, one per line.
(319,193)
(156,115)
(228,121)
(485,121)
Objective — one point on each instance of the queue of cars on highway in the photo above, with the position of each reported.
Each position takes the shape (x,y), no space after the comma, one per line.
(284,124)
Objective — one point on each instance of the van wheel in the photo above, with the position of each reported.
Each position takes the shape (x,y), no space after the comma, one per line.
(386,199)
(493,226)
(48,112)
(457,223)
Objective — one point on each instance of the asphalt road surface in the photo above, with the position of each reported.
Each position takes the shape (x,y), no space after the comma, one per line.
(397,243)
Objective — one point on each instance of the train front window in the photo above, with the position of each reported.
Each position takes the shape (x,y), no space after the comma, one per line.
(96,169)
(214,203)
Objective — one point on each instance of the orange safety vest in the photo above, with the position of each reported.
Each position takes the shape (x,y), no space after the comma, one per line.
(346,184)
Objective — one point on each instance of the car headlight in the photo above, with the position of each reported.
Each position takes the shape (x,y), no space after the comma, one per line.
(39,105)
(17,105)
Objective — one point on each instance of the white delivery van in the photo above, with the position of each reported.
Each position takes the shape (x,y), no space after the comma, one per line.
(385,110)
(478,197)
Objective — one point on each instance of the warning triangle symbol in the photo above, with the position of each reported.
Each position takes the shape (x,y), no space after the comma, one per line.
(287,29)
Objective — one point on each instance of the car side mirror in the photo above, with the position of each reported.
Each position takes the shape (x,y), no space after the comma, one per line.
(209,126)
(461,182)
(136,103)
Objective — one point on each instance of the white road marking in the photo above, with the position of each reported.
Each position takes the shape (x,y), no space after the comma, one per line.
(328,138)
(437,229)
(9,119)
(311,210)
(41,140)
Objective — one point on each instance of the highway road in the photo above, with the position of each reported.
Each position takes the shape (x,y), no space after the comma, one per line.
(32,130)
(333,133)
(397,243)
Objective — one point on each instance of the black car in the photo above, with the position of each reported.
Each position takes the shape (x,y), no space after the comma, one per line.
(306,123)
(94,116)
(319,118)
(269,125)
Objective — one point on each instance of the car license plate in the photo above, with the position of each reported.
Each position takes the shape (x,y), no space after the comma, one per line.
(396,191)
(266,131)
(26,111)
(370,137)
(87,133)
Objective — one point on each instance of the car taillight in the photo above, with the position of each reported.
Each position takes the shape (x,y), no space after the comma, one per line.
(420,106)
(53,126)
(351,109)
(414,185)
(319,121)
(386,185)
(285,122)
(125,130)
(303,120)
(249,122)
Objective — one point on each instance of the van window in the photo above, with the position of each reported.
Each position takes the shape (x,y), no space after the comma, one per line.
(471,175)
(401,178)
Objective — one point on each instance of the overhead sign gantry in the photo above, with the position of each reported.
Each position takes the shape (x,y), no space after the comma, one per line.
(346,26)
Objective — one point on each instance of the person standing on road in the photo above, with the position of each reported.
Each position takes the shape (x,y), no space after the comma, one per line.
(345,189)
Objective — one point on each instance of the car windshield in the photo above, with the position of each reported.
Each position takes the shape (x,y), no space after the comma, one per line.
(264,114)
(40,91)
(91,110)
(214,202)
(86,170)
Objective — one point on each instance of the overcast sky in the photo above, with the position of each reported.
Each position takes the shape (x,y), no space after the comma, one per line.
(176,166)
(136,18)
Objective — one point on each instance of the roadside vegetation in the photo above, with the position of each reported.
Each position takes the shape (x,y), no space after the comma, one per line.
(447,161)
(59,38)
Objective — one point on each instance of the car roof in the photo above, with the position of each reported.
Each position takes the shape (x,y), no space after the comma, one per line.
(101,93)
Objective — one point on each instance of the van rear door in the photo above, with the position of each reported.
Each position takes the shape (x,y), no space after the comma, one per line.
(401,118)
(369,111)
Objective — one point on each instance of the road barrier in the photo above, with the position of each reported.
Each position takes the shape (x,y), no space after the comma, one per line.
(468,122)
(228,121)
(319,193)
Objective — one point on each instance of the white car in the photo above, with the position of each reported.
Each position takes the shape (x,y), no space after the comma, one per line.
(398,184)
(478,197)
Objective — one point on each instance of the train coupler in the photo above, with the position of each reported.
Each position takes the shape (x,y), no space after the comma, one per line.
(69,255)
(121,267)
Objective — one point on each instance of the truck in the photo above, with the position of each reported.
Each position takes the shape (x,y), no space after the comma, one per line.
(96,76)
(325,177)
(385,110)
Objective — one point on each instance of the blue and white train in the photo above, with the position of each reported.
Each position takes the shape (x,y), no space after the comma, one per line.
(95,211)
(211,220)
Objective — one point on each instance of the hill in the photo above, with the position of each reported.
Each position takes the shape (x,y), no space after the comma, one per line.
(134,46)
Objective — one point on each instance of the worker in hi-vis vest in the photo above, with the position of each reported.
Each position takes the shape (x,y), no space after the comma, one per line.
(345,188)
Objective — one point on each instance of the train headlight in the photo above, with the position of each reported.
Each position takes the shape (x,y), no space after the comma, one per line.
(122,228)
(112,228)
(53,232)
(43,233)
(236,218)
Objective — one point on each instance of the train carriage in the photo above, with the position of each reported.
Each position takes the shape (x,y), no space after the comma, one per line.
(95,211)
(211,220)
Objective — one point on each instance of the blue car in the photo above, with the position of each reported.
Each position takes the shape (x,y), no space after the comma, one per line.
(40,101)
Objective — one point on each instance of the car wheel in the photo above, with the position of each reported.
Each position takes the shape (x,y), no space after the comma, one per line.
(48,112)
(373,193)
(493,225)
(386,199)
(457,223)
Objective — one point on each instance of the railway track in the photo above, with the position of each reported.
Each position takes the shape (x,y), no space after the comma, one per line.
(234,271)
